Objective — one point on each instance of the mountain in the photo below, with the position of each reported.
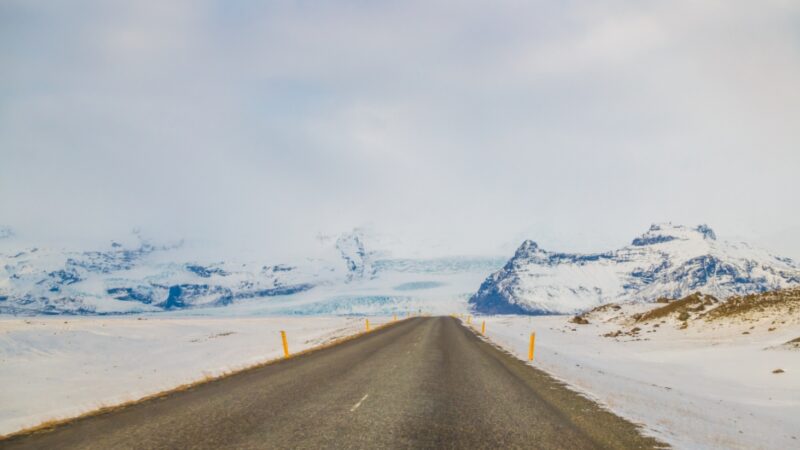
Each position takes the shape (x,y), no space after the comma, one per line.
(143,277)
(668,260)
(348,273)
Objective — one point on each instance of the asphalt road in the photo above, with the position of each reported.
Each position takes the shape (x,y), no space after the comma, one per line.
(422,383)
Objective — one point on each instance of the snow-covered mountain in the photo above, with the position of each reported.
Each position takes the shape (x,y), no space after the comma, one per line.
(349,273)
(667,261)
(141,278)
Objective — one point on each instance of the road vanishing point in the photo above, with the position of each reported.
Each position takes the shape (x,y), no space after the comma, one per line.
(426,382)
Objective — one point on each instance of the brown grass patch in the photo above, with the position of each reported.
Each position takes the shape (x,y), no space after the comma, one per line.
(604,308)
(681,309)
(579,320)
(787,300)
(794,344)
(596,313)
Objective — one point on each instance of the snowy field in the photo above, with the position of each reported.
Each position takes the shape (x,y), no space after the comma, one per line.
(55,368)
(702,387)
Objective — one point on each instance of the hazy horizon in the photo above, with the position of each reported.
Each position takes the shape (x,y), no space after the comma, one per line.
(262,125)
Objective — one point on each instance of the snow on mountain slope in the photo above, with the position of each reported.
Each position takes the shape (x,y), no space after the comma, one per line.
(667,261)
(139,278)
(350,273)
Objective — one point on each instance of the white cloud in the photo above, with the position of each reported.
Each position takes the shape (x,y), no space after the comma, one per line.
(262,124)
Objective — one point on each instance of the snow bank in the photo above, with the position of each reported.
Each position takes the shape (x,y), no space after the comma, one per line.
(55,368)
(702,387)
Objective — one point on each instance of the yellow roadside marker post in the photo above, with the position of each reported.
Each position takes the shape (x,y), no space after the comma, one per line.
(483,328)
(530,348)
(367,324)
(394,318)
(285,344)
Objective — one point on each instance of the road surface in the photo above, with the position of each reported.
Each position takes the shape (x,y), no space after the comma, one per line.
(422,383)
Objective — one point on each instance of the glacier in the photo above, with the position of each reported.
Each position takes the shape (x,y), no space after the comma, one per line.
(668,261)
(350,273)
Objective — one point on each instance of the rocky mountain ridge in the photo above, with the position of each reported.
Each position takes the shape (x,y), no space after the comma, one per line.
(668,261)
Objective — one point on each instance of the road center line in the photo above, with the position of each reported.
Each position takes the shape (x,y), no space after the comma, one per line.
(359,403)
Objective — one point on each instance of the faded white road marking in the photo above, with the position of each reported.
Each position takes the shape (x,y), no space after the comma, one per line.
(359,403)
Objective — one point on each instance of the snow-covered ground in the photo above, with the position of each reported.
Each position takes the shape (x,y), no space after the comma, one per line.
(702,387)
(54,368)
(707,386)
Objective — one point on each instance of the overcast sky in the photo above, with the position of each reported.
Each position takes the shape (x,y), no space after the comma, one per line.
(260,124)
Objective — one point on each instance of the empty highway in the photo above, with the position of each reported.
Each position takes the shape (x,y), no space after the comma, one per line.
(421,383)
